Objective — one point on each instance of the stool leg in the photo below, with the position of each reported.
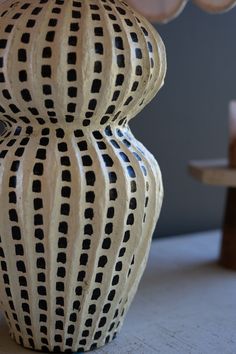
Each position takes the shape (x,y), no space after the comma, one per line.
(228,248)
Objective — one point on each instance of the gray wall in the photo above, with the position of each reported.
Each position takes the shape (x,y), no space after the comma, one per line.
(189,118)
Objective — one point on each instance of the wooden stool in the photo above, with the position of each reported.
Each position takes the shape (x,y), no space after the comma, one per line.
(223,173)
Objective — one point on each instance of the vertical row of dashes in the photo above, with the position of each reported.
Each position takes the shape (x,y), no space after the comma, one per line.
(47,63)
(3,80)
(65,180)
(23,58)
(7,289)
(151,58)
(73,61)
(107,240)
(88,195)
(115,140)
(18,238)
(98,55)
(112,111)
(39,230)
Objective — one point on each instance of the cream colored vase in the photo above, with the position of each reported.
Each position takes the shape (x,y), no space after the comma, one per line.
(79,195)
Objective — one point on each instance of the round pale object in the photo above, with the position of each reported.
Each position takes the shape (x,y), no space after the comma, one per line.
(215,6)
(159,10)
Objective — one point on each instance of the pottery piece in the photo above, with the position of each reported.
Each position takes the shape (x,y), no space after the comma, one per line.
(79,195)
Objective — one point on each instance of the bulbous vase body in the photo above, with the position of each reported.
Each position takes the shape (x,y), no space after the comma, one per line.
(79,195)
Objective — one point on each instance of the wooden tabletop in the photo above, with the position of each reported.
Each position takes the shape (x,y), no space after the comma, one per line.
(213,172)
(186,303)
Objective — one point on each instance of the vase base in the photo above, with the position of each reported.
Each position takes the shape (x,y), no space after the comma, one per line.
(57,350)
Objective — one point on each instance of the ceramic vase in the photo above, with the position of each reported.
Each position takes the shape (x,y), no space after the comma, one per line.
(79,195)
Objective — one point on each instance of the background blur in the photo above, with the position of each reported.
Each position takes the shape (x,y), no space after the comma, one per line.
(189,118)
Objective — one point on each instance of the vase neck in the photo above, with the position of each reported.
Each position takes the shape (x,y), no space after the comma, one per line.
(17,130)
